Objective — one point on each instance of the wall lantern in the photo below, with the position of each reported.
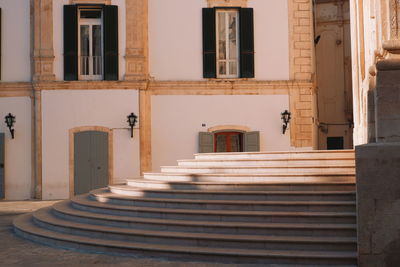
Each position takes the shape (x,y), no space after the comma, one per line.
(132,120)
(285,118)
(10,120)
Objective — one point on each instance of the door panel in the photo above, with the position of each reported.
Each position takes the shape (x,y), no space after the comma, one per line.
(2,178)
(90,161)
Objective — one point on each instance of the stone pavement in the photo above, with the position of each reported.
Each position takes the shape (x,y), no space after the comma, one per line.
(15,251)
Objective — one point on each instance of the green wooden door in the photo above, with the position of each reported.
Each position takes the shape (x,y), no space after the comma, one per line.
(90,161)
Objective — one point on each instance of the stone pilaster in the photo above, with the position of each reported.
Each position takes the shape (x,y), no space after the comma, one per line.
(136,54)
(43,53)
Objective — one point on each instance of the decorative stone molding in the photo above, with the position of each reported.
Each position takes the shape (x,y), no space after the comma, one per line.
(43,53)
(71,152)
(394,19)
(136,55)
(229,128)
(104,2)
(227,3)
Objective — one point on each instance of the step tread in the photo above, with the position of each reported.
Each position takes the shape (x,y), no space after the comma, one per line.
(83,200)
(23,223)
(107,194)
(272,159)
(45,216)
(251,175)
(292,152)
(64,207)
(239,192)
(260,167)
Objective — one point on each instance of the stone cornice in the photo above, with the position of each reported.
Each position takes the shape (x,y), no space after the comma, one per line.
(10,89)
(206,87)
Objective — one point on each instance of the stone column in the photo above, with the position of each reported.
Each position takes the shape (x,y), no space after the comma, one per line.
(42,33)
(136,54)
(378,164)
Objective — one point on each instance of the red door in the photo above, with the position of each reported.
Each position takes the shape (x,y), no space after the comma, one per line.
(228,142)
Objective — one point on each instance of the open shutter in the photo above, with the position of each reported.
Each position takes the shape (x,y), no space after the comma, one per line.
(251,141)
(70,42)
(110,14)
(246,36)
(206,142)
(2,182)
(209,44)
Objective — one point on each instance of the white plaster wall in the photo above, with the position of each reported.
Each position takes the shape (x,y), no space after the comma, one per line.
(58,38)
(175,39)
(18,150)
(15,47)
(63,110)
(177,120)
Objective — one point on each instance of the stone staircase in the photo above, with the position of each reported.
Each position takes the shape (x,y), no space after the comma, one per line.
(286,208)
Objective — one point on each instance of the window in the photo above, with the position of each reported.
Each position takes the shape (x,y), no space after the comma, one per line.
(90,42)
(228,43)
(90,45)
(229,141)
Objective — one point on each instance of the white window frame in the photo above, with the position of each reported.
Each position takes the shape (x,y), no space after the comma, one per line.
(90,22)
(228,58)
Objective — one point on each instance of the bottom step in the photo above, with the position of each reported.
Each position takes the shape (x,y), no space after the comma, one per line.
(24,226)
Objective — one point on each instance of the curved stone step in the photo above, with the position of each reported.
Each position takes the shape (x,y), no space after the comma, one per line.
(24,227)
(65,211)
(45,219)
(311,154)
(275,170)
(267,163)
(336,195)
(83,203)
(209,182)
(105,196)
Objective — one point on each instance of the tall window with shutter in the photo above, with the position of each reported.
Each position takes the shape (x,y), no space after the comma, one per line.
(90,42)
(228,43)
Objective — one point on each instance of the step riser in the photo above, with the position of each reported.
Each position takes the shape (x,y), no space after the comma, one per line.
(182,256)
(213,229)
(255,197)
(200,242)
(297,171)
(241,207)
(266,163)
(274,156)
(183,185)
(214,217)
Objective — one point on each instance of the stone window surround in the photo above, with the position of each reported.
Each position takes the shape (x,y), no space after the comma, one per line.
(227,3)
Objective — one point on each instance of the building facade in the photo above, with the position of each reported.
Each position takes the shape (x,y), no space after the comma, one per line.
(202,76)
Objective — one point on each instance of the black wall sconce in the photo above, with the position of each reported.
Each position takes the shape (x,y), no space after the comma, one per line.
(132,120)
(286,119)
(10,120)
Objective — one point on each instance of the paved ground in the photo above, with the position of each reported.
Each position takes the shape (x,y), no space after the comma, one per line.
(15,251)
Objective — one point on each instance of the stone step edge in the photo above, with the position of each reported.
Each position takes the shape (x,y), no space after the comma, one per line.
(44,216)
(238,192)
(249,175)
(350,151)
(109,195)
(256,167)
(80,200)
(66,209)
(262,160)
(147,180)
(24,224)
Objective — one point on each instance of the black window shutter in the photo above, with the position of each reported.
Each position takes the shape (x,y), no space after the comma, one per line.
(70,42)
(209,44)
(110,15)
(246,43)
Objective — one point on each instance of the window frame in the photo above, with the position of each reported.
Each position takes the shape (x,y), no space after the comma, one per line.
(228,58)
(91,22)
